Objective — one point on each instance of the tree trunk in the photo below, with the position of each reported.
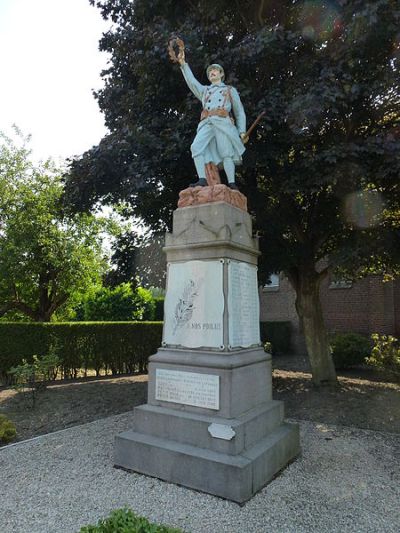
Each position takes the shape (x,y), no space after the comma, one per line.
(309,309)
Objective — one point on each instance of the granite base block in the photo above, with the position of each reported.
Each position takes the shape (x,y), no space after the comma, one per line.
(192,428)
(245,377)
(234,477)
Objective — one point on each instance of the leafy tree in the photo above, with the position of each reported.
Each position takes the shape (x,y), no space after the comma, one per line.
(118,303)
(321,173)
(46,257)
(137,259)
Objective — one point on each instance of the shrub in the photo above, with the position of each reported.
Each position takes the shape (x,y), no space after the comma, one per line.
(126,521)
(267,347)
(385,353)
(159,308)
(147,308)
(118,303)
(7,430)
(34,375)
(278,334)
(349,349)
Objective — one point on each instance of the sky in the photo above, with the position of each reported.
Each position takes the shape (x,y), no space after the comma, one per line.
(49,65)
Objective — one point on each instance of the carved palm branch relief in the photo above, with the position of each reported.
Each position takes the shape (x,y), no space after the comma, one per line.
(185,306)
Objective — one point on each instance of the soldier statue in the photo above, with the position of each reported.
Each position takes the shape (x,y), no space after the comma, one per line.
(221,133)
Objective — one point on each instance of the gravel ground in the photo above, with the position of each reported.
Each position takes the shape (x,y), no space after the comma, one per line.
(347,480)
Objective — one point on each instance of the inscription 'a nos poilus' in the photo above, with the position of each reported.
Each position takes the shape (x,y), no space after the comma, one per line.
(204,325)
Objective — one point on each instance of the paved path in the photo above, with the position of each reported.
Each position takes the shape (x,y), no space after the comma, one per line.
(347,480)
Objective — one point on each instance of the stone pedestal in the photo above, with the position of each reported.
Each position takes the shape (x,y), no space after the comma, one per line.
(210,422)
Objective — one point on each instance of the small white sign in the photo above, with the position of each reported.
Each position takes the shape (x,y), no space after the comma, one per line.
(189,388)
(221,431)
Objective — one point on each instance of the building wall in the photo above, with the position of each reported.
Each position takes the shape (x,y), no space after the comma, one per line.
(366,306)
(278,304)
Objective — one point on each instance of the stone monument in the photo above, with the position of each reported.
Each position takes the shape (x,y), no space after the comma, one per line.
(210,422)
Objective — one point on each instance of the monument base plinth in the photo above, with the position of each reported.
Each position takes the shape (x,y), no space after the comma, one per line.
(232,450)
(235,476)
(210,423)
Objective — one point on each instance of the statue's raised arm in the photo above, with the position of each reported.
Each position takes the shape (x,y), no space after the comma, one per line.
(195,86)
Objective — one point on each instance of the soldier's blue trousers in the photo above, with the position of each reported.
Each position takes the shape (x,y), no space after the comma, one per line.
(217,141)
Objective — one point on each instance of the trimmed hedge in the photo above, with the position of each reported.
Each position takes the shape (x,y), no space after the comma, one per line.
(122,347)
(119,347)
(279,334)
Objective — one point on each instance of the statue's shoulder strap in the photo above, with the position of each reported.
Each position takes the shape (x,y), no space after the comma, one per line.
(205,96)
(228,94)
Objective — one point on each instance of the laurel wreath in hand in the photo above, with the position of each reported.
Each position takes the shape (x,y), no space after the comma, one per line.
(175,41)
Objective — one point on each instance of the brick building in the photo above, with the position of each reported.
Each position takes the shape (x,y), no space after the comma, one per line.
(366,306)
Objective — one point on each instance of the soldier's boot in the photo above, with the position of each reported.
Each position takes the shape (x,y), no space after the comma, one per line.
(201,183)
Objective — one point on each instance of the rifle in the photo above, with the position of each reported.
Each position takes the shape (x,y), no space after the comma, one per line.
(249,131)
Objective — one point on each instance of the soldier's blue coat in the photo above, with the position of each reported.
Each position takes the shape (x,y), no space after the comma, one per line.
(217,137)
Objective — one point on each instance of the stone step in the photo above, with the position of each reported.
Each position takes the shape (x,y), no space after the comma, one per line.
(235,477)
(193,429)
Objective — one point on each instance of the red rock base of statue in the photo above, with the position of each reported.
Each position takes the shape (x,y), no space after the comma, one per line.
(210,194)
(212,174)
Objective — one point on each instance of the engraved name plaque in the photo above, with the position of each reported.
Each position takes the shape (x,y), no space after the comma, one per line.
(243,305)
(189,388)
(194,305)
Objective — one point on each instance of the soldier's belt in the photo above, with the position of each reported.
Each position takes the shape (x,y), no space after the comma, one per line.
(213,113)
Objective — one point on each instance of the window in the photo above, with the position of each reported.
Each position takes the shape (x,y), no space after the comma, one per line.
(272,283)
(340,284)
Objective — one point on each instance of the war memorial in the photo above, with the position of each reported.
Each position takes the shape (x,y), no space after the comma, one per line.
(210,422)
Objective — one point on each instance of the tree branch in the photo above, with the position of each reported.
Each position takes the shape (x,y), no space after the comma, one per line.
(19,306)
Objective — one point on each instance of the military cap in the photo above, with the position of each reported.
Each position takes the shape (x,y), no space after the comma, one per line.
(215,65)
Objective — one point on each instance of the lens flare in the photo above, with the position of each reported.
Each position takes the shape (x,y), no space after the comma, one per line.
(363,209)
(308,32)
(318,20)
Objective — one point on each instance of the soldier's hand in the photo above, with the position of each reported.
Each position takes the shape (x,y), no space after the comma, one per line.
(244,137)
(181,57)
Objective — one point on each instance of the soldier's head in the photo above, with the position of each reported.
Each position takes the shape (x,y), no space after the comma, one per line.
(215,73)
